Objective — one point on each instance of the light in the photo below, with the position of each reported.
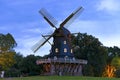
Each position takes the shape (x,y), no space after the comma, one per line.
(56,50)
(65,50)
(71,51)
(64,42)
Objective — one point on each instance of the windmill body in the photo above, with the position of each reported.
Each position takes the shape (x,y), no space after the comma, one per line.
(62,47)
(61,59)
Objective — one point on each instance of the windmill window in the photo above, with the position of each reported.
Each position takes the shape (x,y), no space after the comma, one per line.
(64,42)
(71,51)
(56,50)
(65,50)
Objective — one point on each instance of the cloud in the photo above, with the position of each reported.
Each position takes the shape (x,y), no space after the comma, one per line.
(111,6)
(107,31)
(26,44)
(95,27)
(111,41)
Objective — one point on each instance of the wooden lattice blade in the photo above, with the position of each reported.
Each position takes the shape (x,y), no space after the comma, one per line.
(71,17)
(51,20)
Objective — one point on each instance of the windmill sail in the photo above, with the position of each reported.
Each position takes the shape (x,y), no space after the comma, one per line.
(41,43)
(51,20)
(71,18)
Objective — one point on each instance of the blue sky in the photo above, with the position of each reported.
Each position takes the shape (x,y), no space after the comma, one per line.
(100,18)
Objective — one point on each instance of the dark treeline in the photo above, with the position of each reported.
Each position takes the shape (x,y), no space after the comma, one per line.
(85,47)
(24,66)
(97,55)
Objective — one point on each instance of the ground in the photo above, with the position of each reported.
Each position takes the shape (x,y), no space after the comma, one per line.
(60,78)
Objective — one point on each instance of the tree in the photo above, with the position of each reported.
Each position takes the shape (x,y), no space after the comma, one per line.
(116,63)
(92,50)
(6,60)
(112,52)
(7,43)
(15,70)
(29,67)
(24,66)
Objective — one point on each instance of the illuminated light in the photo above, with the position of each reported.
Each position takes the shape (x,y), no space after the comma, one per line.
(64,42)
(56,50)
(65,50)
(71,51)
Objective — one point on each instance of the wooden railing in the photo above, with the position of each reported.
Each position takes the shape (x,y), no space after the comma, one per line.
(41,61)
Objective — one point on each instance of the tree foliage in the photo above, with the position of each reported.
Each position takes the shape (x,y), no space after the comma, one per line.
(114,58)
(7,43)
(24,66)
(29,67)
(92,50)
(6,60)
(112,53)
(116,62)
(15,70)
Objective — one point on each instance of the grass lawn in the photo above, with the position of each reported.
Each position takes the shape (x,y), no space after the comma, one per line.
(60,78)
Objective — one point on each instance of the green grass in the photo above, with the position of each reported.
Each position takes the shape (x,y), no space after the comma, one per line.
(61,78)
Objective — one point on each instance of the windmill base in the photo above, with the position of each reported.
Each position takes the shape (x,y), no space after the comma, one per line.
(62,67)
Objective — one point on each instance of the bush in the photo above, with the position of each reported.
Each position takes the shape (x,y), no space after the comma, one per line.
(117,73)
(88,70)
(12,73)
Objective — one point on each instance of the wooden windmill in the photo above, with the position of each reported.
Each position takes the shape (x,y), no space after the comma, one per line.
(61,50)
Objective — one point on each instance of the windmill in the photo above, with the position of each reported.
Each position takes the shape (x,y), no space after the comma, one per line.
(61,48)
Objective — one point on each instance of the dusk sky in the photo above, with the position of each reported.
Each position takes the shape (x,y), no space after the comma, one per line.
(100,18)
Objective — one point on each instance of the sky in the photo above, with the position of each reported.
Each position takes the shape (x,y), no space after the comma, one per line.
(100,18)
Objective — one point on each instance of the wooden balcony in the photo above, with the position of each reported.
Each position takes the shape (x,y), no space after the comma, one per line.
(72,61)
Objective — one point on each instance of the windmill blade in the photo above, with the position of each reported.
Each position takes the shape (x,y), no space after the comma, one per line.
(41,43)
(71,18)
(51,20)
(45,39)
(34,47)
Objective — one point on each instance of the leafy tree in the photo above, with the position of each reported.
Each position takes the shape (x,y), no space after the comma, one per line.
(29,67)
(92,50)
(112,52)
(6,60)
(24,66)
(117,73)
(116,63)
(15,70)
(7,43)
(88,70)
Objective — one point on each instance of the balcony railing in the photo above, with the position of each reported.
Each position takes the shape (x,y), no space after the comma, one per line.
(41,61)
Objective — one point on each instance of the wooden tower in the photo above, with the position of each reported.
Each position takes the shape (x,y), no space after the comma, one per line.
(61,59)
